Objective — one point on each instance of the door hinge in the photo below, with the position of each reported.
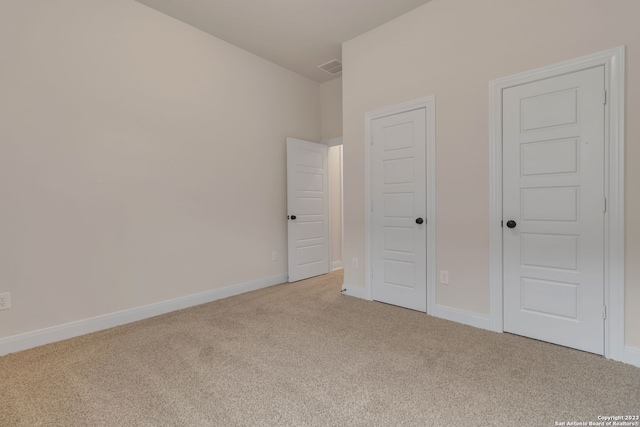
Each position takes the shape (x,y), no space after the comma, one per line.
(371,206)
(604,311)
(604,97)
(605,205)
(502,224)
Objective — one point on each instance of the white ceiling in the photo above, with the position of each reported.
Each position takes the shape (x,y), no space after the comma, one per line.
(296,34)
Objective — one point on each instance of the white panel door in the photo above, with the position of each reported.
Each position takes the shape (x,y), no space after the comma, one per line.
(399,246)
(553,210)
(308,209)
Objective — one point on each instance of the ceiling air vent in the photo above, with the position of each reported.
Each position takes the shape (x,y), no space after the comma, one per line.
(332,67)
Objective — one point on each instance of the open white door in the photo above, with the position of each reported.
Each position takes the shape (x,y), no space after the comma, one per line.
(308,209)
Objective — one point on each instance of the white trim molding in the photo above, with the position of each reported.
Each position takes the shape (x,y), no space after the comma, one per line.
(429,104)
(613,61)
(632,356)
(336,265)
(65,331)
(354,291)
(461,316)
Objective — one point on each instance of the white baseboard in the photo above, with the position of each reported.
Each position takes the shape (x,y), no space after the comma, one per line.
(336,265)
(631,356)
(353,291)
(462,316)
(40,337)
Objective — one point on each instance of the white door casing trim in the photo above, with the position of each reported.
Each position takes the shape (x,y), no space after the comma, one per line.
(429,104)
(614,62)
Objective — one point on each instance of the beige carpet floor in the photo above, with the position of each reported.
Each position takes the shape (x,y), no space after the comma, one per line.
(303,354)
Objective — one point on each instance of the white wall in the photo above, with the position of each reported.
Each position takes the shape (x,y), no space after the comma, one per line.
(331,108)
(140,159)
(452,49)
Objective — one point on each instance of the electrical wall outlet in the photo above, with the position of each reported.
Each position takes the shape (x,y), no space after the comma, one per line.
(444,277)
(5,301)
(274,256)
(354,263)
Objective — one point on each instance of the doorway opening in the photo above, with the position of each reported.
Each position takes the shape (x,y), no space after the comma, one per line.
(314,208)
(336,200)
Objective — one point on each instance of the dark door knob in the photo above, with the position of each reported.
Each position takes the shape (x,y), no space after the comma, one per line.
(419,221)
(293,217)
(511,224)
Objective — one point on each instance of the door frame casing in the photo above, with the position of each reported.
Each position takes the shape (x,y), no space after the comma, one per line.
(613,61)
(429,104)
